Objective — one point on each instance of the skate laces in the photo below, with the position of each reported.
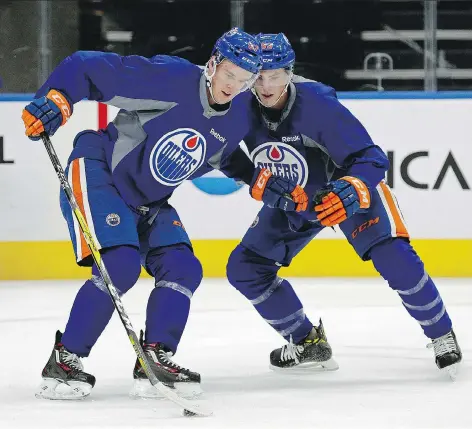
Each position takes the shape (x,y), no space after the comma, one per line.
(291,351)
(72,360)
(443,345)
(165,357)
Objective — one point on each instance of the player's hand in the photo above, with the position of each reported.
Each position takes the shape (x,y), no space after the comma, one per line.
(46,114)
(340,199)
(277,192)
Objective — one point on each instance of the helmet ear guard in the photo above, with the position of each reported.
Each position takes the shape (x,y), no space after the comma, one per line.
(206,70)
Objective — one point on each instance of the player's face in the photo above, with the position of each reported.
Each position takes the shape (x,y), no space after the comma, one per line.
(229,80)
(270,85)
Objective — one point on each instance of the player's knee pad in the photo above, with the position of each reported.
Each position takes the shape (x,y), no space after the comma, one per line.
(397,262)
(123,266)
(175,266)
(251,274)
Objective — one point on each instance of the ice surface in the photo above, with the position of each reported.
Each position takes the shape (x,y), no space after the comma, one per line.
(387,377)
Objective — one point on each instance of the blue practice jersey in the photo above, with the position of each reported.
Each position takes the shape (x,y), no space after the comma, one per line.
(166,131)
(314,140)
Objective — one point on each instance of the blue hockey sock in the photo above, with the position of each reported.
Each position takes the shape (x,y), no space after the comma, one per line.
(178,273)
(281,308)
(273,297)
(93,307)
(398,263)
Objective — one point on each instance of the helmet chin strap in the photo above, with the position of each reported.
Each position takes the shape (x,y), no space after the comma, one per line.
(209,77)
(253,90)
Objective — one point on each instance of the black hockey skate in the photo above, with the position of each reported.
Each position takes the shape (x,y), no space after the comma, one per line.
(313,353)
(448,353)
(63,375)
(186,382)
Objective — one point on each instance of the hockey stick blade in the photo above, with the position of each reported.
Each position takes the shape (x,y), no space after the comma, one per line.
(166,391)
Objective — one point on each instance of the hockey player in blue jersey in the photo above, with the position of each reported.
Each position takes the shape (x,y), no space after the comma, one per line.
(174,124)
(303,133)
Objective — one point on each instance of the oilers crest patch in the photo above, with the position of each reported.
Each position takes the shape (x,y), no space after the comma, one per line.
(282,160)
(177,155)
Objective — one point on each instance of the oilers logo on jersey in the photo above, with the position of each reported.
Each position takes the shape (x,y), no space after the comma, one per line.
(282,160)
(177,155)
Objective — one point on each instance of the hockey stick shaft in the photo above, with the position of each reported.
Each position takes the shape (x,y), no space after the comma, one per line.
(164,390)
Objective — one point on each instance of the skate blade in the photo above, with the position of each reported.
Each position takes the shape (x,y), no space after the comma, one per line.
(54,389)
(142,388)
(308,367)
(452,371)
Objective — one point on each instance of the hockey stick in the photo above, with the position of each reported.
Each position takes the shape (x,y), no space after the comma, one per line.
(190,408)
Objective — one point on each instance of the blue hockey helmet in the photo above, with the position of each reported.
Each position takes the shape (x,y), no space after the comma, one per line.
(240,48)
(277,52)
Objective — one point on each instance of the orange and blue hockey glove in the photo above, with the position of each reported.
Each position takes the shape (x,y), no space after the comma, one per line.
(277,192)
(46,114)
(340,199)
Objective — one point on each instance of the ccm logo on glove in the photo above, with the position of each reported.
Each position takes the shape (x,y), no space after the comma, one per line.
(362,191)
(62,103)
